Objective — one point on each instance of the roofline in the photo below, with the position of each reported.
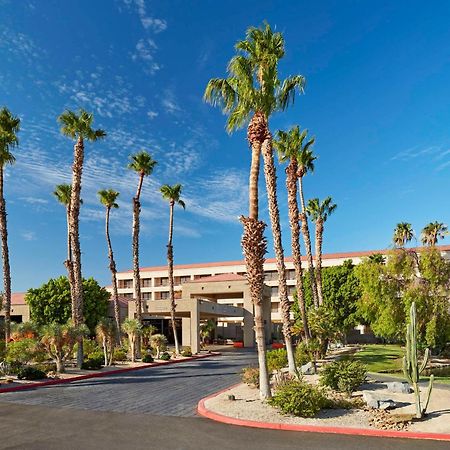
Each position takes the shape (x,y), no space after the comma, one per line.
(345,255)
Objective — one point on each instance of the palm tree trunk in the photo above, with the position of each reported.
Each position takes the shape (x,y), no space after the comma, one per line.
(291,186)
(77,171)
(254,247)
(69,266)
(307,239)
(319,236)
(112,268)
(171,290)
(136,269)
(271,185)
(5,256)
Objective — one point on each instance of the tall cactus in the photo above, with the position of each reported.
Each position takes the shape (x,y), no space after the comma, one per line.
(411,367)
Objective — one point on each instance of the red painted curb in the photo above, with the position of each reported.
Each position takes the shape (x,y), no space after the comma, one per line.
(103,374)
(205,412)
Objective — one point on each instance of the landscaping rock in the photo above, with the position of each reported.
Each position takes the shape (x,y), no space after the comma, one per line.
(375,402)
(307,369)
(399,387)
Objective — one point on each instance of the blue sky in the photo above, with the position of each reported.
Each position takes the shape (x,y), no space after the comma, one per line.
(377,100)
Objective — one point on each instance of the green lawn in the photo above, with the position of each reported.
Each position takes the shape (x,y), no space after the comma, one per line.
(387,359)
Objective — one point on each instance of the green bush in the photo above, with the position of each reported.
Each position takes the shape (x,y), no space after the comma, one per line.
(186,352)
(276,359)
(2,350)
(96,354)
(46,367)
(164,356)
(298,398)
(93,363)
(302,354)
(21,351)
(343,376)
(120,355)
(250,376)
(30,373)
(147,358)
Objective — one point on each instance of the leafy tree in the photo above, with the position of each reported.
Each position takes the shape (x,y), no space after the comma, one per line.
(9,127)
(77,127)
(172,194)
(159,343)
(51,303)
(105,332)
(133,328)
(432,232)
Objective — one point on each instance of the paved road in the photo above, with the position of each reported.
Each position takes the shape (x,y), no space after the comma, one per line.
(139,410)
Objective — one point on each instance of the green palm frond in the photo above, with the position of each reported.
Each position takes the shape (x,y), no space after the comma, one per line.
(318,210)
(76,125)
(432,232)
(403,233)
(142,162)
(173,194)
(108,198)
(295,144)
(63,193)
(9,127)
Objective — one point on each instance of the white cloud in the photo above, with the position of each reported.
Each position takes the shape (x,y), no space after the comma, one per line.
(29,235)
(152,114)
(145,49)
(150,23)
(34,200)
(434,153)
(169,102)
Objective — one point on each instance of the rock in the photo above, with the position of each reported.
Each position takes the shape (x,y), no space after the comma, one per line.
(377,403)
(399,387)
(307,369)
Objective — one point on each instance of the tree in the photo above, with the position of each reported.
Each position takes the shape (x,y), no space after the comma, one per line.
(106,332)
(108,198)
(143,164)
(432,232)
(319,213)
(9,127)
(147,332)
(251,93)
(63,193)
(77,127)
(51,303)
(133,328)
(289,144)
(172,194)
(403,234)
(158,343)
(59,341)
(206,330)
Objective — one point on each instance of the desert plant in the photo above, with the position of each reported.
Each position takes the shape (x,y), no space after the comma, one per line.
(119,355)
(21,351)
(277,359)
(133,328)
(186,351)
(24,330)
(411,367)
(106,333)
(206,330)
(165,356)
(30,373)
(159,344)
(147,332)
(147,358)
(298,398)
(250,376)
(93,363)
(343,376)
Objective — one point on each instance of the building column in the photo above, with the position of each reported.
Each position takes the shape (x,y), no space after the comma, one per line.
(195,328)
(249,333)
(267,314)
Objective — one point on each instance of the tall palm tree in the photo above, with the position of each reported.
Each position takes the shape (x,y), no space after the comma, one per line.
(172,194)
(319,213)
(9,127)
(432,232)
(288,144)
(143,164)
(78,127)
(403,234)
(108,198)
(305,164)
(63,193)
(251,93)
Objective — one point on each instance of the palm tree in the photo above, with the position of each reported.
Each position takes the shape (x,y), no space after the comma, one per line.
(319,213)
(251,93)
(432,232)
(172,194)
(289,144)
(143,164)
(78,127)
(403,233)
(158,343)
(106,332)
(108,198)
(133,329)
(63,193)
(9,127)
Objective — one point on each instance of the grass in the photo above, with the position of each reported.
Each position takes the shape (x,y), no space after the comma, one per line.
(387,359)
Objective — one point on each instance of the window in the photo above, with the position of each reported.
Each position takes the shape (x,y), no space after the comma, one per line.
(291,290)
(198,277)
(290,274)
(125,284)
(164,281)
(274,290)
(185,279)
(128,295)
(146,282)
(146,296)
(164,295)
(271,275)
(274,307)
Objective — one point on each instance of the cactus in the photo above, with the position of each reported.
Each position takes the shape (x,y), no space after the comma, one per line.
(411,367)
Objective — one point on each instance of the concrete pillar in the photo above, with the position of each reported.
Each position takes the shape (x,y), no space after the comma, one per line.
(267,313)
(195,328)
(249,333)
(186,332)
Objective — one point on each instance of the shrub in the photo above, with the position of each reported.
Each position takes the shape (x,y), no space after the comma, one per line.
(250,376)
(147,358)
(302,354)
(93,363)
(30,373)
(119,355)
(96,354)
(343,376)
(158,343)
(21,351)
(276,359)
(164,356)
(186,351)
(2,349)
(298,398)
(46,367)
